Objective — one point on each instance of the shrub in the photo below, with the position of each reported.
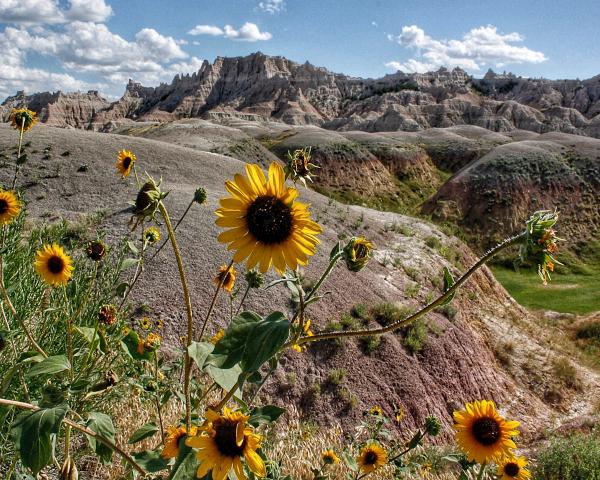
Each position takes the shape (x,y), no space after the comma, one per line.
(370,344)
(433,242)
(385,313)
(566,373)
(416,336)
(336,377)
(576,457)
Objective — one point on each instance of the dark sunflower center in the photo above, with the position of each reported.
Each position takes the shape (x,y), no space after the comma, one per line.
(361,250)
(225,439)
(126,162)
(511,469)
(486,431)
(56,265)
(269,220)
(3,206)
(371,458)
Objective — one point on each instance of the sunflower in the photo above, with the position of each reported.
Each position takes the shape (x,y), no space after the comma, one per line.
(125,162)
(307,333)
(145,323)
(376,411)
(10,207)
(217,336)
(95,250)
(160,323)
(174,435)
(266,225)
(225,278)
(329,457)
(399,414)
(371,457)
(357,253)
(151,235)
(23,118)
(482,433)
(53,265)
(513,468)
(226,440)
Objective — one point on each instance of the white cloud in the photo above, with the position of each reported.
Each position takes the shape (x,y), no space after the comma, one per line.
(374,24)
(158,46)
(40,12)
(480,46)
(272,6)
(248,32)
(206,30)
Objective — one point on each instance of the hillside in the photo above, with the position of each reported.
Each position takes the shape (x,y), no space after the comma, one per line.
(485,346)
(266,87)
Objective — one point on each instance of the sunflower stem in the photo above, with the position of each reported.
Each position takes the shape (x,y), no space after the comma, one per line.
(137,180)
(190,317)
(407,321)
(243,299)
(139,269)
(158,407)
(81,428)
(212,303)
(174,229)
(231,393)
(17,166)
(326,273)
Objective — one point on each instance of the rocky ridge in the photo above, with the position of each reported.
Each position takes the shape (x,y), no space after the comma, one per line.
(271,87)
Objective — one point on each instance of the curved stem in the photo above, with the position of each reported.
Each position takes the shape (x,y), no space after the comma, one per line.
(328,270)
(82,429)
(242,300)
(17,166)
(407,321)
(190,318)
(158,407)
(212,303)
(231,392)
(139,269)
(174,229)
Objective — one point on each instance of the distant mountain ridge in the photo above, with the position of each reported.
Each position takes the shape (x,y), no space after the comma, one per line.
(258,86)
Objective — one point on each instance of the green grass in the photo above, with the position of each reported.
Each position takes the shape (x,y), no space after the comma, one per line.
(568,293)
(571,458)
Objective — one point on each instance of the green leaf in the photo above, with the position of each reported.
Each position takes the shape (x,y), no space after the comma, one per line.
(448,282)
(415,440)
(199,352)
(151,461)
(133,248)
(50,366)
(87,333)
(31,431)
(350,461)
(101,424)
(131,342)
(230,348)
(266,340)
(226,378)
(7,379)
(266,414)
(22,159)
(121,289)
(336,251)
(146,431)
(186,464)
(129,262)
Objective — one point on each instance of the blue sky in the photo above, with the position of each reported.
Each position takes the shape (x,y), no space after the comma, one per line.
(99,44)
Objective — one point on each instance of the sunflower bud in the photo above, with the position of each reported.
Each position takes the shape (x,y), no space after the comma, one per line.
(357,253)
(151,235)
(107,314)
(299,168)
(95,250)
(200,196)
(541,242)
(432,426)
(69,470)
(254,278)
(147,201)
(22,118)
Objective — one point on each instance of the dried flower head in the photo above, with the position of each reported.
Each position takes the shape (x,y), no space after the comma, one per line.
(200,196)
(541,242)
(147,202)
(107,314)
(299,167)
(95,250)
(23,118)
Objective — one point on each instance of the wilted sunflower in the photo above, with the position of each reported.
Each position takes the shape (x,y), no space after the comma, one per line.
(226,440)
(511,468)
(125,162)
(225,278)
(266,225)
(174,435)
(482,433)
(10,207)
(307,333)
(23,118)
(371,457)
(95,250)
(329,457)
(107,314)
(53,265)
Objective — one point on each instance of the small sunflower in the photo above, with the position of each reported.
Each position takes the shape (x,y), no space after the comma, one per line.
(53,265)
(10,207)
(217,336)
(160,323)
(307,333)
(151,343)
(371,457)
(266,225)
(225,277)
(329,457)
(151,235)
(376,411)
(23,118)
(399,414)
(511,468)
(226,439)
(107,314)
(174,435)
(125,162)
(146,323)
(482,433)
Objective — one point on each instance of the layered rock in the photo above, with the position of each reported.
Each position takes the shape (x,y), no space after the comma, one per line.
(259,87)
